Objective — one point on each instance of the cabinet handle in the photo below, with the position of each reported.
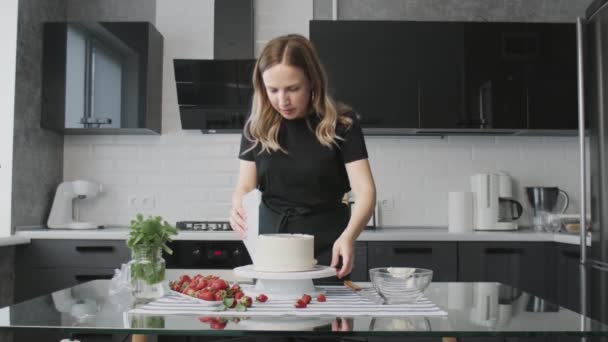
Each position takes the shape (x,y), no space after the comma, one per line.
(504,251)
(413,250)
(95,249)
(87,277)
(571,254)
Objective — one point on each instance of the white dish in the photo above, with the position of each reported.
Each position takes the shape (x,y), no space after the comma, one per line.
(198,300)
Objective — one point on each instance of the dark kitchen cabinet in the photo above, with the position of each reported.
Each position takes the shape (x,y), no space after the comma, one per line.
(441,257)
(360,269)
(373,67)
(407,77)
(520,76)
(65,263)
(102,78)
(45,266)
(568,276)
(552,81)
(528,266)
(441,72)
(495,86)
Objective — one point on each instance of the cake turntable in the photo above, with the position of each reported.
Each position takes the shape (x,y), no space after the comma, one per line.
(285,285)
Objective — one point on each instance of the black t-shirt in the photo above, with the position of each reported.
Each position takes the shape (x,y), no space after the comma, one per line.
(310,174)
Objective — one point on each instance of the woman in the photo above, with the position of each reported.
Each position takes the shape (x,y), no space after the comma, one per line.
(304,152)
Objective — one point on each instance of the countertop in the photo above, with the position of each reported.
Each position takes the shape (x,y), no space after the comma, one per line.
(380,234)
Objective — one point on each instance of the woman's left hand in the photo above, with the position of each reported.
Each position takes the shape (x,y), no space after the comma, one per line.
(343,247)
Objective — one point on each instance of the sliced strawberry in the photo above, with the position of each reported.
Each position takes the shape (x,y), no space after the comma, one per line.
(246,300)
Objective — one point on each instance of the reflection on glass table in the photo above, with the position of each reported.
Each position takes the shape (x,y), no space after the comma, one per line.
(474,309)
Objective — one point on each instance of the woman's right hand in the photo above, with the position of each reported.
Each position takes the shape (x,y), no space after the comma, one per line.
(238,219)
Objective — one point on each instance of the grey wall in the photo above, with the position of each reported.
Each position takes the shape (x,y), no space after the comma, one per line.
(7,260)
(112,10)
(463,10)
(38,153)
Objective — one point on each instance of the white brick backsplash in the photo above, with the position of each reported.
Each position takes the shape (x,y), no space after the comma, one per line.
(453,153)
(192,175)
(114,152)
(219,164)
(161,179)
(222,195)
(172,153)
(140,165)
(212,180)
(208,211)
(490,151)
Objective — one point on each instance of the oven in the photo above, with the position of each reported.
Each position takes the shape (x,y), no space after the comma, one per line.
(218,257)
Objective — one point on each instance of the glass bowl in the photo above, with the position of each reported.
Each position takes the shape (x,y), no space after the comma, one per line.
(398,285)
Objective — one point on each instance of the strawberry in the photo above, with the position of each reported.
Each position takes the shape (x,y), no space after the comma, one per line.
(238,295)
(306,298)
(300,304)
(246,300)
(205,319)
(218,296)
(205,295)
(218,324)
(190,292)
(219,284)
(235,288)
(183,279)
(321,298)
(202,283)
(261,298)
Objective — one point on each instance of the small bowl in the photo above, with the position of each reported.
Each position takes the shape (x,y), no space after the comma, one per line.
(398,285)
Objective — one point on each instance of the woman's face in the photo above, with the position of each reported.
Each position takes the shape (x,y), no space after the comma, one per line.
(288,90)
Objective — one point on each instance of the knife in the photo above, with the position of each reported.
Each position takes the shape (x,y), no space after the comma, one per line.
(358,290)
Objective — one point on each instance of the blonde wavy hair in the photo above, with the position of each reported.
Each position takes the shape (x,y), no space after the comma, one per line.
(262,126)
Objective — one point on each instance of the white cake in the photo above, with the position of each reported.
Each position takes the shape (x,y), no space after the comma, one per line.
(284,253)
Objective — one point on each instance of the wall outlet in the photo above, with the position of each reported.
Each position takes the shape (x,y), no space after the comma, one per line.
(386,204)
(148,202)
(142,201)
(132,202)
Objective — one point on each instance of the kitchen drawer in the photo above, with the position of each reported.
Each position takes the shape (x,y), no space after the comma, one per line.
(30,283)
(359,272)
(73,253)
(528,266)
(441,257)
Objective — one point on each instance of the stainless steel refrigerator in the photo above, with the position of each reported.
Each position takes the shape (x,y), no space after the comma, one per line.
(593,114)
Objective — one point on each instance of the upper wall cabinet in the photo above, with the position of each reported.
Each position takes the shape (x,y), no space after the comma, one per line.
(521,76)
(392,71)
(102,78)
(407,77)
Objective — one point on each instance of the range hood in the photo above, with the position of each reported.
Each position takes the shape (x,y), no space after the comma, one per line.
(214,95)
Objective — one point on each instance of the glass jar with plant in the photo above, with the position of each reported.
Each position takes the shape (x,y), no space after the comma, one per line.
(147,240)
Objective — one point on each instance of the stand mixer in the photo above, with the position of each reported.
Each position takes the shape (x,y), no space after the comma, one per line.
(64,212)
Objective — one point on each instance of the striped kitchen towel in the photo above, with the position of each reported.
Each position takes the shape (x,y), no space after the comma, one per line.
(341,301)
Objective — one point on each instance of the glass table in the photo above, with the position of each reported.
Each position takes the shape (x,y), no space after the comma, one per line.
(474,309)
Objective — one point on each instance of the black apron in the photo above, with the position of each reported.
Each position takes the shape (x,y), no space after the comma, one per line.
(325,223)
